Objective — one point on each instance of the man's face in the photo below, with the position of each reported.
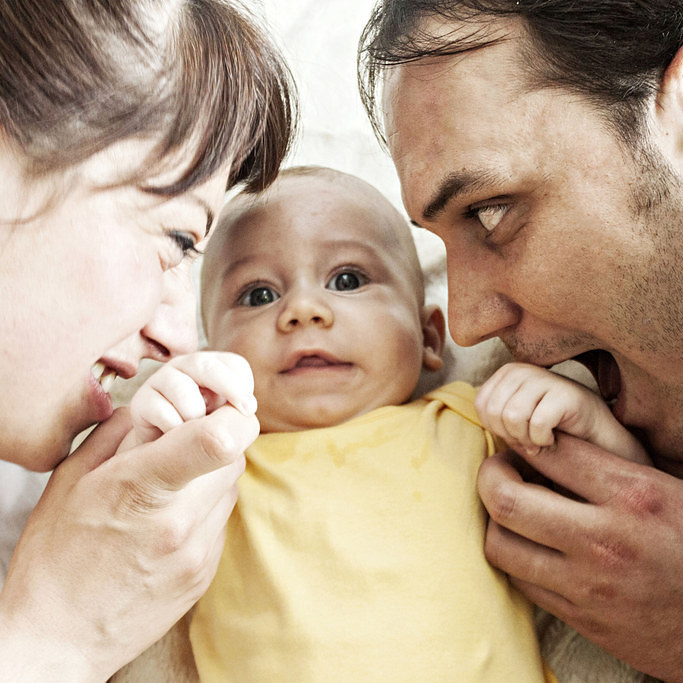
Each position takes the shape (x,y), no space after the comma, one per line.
(550,244)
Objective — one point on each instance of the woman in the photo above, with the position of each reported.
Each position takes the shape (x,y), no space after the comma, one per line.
(122,122)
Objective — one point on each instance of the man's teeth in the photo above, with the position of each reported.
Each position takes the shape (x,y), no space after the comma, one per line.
(104,375)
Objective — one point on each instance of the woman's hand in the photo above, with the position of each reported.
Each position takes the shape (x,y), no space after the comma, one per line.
(119,547)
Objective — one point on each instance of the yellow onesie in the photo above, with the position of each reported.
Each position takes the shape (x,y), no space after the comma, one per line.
(355,553)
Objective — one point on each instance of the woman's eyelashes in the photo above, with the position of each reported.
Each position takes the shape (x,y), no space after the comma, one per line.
(185,242)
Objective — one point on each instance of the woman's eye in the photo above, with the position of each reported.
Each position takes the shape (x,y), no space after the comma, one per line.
(345,281)
(259,296)
(490,216)
(185,242)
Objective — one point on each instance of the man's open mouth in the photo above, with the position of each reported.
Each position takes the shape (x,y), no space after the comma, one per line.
(604,368)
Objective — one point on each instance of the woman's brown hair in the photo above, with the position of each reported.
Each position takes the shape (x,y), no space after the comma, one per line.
(77,76)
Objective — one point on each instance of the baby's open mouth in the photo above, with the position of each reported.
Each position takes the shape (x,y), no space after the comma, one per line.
(104,375)
(605,370)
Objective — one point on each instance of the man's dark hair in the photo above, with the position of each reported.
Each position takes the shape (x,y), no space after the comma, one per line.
(612,52)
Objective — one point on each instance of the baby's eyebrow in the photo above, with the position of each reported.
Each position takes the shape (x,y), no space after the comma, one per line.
(337,243)
(238,263)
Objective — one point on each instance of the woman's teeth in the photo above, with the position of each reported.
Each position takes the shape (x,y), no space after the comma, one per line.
(104,375)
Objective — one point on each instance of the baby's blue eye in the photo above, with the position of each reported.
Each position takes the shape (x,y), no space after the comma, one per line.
(259,296)
(345,281)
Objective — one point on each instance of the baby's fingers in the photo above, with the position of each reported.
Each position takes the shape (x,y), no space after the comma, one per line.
(227,375)
(169,398)
(549,413)
(494,400)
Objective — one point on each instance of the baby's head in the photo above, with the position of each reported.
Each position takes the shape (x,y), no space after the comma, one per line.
(317,283)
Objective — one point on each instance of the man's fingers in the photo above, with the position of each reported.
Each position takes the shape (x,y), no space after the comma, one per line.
(513,503)
(586,470)
(546,599)
(522,558)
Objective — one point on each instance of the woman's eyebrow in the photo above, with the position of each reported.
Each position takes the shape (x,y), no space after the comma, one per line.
(207,209)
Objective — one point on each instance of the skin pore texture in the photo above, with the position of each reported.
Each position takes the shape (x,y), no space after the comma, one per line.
(318,286)
(519,182)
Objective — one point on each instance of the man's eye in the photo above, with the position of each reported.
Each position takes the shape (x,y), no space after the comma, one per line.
(259,296)
(345,281)
(490,216)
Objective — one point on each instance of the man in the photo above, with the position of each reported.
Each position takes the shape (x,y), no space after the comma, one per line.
(543,142)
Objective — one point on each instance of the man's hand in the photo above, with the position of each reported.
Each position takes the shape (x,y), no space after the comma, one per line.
(119,547)
(609,563)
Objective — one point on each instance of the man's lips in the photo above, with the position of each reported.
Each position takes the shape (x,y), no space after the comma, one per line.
(605,370)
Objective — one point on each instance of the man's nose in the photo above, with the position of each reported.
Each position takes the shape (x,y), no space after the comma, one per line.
(477,310)
(172,330)
(304,308)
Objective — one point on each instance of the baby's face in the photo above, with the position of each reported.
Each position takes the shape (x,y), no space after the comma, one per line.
(314,291)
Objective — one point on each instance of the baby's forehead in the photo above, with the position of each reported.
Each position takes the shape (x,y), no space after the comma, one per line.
(320,207)
(336,202)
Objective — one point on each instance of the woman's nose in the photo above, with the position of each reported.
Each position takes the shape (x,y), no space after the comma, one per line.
(303,309)
(172,330)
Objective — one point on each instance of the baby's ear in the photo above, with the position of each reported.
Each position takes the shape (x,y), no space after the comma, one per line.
(434,335)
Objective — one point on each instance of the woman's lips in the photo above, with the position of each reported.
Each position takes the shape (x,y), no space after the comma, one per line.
(104,375)
(101,379)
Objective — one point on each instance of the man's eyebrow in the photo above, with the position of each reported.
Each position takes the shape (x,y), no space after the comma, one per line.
(454,185)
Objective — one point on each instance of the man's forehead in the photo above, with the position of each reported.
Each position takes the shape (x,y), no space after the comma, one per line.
(442,111)
(460,42)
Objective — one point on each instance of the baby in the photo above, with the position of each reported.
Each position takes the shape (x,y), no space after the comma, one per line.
(524,404)
(355,551)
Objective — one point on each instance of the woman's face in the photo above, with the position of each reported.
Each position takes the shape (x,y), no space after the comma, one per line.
(90,286)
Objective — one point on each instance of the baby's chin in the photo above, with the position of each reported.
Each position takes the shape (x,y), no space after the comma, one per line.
(323,409)
(303,421)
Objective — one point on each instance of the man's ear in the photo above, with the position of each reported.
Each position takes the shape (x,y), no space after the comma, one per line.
(668,110)
(434,334)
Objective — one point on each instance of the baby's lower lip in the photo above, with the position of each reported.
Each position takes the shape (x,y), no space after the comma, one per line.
(313,363)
